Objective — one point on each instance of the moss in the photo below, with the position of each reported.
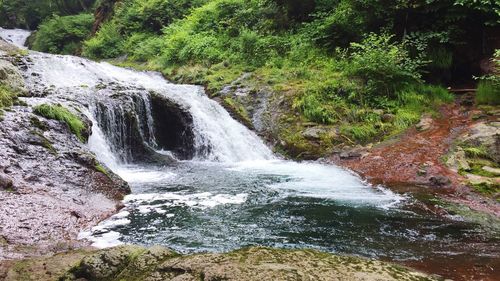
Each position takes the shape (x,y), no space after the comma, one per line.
(488,189)
(101,169)
(60,113)
(485,221)
(239,110)
(475,152)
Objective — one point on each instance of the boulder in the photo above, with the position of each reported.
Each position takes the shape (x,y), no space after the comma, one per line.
(425,123)
(314,133)
(5,182)
(457,161)
(388,118)
(439,181)
(485,135)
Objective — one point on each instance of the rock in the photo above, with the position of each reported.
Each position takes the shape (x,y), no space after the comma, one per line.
(495,171)
(314,133)
(388,118)
(425,123)
(5,182)
(378,111)
(485,135)
(458,161)
(125,263)
(106,264)
(439,181)
(10,75)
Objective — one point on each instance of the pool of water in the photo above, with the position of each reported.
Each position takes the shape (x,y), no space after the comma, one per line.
(215,207)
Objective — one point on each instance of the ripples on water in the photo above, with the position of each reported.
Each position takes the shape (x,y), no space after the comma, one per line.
(197,207)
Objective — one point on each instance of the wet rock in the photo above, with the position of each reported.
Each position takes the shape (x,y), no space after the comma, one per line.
(439,181)
(425,123)
(5,182)
(388,118)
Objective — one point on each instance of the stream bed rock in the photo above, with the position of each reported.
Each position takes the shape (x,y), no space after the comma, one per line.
(127,263)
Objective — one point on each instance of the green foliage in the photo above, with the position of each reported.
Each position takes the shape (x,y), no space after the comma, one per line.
(361,133)
(29,14)
(382,66)
(488,92)
(488,88)
(7,96)
(476,152)
(63,35)
(108,43)
(60,113)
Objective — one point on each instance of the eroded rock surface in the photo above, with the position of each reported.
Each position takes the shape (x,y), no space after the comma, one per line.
(51,185)
(126,263)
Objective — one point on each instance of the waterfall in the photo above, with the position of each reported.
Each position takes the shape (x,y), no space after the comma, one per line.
(121,105)
(17,37)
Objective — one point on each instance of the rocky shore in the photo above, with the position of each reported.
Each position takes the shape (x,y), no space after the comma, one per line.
(51,186)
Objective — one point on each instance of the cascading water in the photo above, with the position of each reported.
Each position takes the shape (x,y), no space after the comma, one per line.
(17,37)
(230,190)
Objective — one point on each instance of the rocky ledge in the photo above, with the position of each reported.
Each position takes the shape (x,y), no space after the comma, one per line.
(51,186)
(126,263)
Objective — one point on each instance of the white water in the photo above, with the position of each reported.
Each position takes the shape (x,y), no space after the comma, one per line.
(213,126)
(17,37)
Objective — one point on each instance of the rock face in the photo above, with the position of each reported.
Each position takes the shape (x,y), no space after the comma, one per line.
(51,185)
(52,177)
(126,263)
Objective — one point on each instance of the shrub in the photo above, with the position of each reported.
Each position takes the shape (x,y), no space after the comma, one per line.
(488,92)
(359,132)
(488,89)
(60,113)
(107,43)
(63,35)
(383,67)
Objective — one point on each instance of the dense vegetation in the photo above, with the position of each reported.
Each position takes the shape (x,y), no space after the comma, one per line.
(29,14)
(368,68)
(63,35)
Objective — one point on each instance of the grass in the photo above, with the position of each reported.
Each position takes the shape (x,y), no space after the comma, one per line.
(101,169)
(488,92)
(7,96)
(60,113)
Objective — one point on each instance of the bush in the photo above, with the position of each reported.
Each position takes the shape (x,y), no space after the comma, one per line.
(63,35)
(383,67)
(488,92)
(58,112)
(488,89)
(107,43)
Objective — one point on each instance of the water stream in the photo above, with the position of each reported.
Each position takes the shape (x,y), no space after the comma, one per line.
(233,191)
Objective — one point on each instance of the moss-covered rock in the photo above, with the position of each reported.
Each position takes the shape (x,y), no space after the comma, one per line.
(133,263)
